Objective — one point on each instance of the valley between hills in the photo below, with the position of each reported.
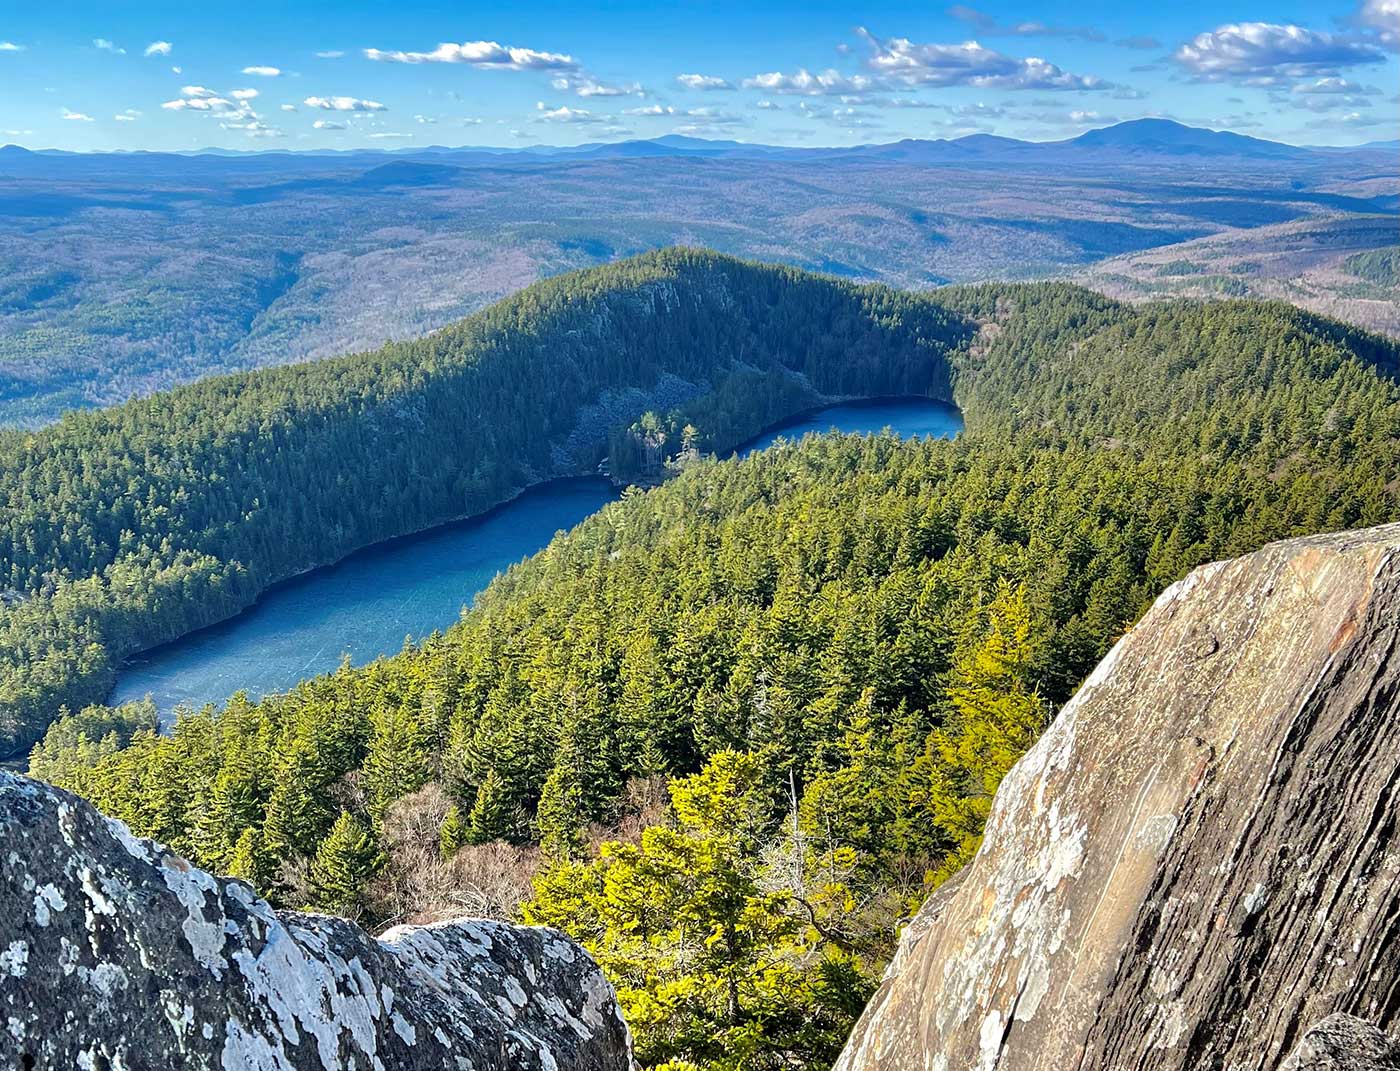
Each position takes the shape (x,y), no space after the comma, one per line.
(728,733)
(128,273)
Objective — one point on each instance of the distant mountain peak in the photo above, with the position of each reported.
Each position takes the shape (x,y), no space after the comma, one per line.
(1171,137)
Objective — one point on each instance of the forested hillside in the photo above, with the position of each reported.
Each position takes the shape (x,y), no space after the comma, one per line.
(827,655)
(128,527)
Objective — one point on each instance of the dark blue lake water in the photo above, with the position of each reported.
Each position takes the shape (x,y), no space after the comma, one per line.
(366,604)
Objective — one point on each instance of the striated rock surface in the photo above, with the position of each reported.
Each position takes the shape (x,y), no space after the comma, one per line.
(1197,866)
(116,955)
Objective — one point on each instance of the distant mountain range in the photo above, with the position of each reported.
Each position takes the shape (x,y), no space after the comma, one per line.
(1135,139)
(127,273)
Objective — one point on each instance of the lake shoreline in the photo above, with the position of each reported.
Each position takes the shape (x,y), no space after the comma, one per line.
(400,596)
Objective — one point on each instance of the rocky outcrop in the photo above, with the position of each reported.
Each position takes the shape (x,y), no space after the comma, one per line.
(116,955)
(1344,1043)
(1198,864)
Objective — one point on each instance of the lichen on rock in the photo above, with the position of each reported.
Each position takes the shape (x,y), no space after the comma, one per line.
(117,954)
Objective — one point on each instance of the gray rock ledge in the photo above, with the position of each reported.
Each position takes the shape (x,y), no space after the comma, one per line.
(116,955)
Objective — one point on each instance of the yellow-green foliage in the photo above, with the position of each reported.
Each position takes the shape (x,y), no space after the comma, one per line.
(835,649)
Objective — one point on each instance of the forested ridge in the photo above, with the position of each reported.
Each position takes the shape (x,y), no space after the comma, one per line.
(128,527)
(729,732)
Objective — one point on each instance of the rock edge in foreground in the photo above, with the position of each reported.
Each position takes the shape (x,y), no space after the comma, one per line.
(1197,866)
(117,954)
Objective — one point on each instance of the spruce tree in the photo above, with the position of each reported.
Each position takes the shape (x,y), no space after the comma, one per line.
(494,814)
(344,864)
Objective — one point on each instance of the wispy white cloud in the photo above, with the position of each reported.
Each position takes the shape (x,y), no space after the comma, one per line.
(388,134)
(975,111)
(1326,95)
(587,86)
(77,117)
(564,114)
(711,116)
(805,83)
(344,104)
(262,71)
(330,53)
(253,127)
(10,46)
(158,48)
(128,116)
(289,107)
(968,64)
(104,45)
(200,104)
(488,54)
(328,124)
(1381,17)
(1352,120)
(703,81)
(911,102)
(989,26)
(1266,53)
(1335,85)
(206,101)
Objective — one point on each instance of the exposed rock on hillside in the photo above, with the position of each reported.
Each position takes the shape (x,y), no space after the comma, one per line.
(116,954)
(1344,1043)
(1197,864)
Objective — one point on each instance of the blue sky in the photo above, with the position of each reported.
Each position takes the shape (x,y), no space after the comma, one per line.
(350,74)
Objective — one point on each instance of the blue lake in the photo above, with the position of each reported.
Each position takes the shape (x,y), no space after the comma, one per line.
(909,418)
(365,605)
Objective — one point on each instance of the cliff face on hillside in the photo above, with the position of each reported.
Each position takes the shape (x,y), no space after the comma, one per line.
(1197,866)
(116,954)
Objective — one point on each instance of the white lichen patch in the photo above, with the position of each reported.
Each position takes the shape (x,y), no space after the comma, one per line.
(105,980)
(245,1050)
(137,849)
(1155,833)
(47,901)
(193,888)
(98,900)
(1170,1026)
(1062,857)
(67,956)
(989,1041)
(13,959)
(185,969)
(311,990)
(1256,899)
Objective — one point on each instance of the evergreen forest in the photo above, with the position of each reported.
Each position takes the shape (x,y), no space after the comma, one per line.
(732,730)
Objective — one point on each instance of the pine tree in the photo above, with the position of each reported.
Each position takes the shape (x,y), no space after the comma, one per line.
(559,816)
(455,831)
(494,814)
(397,763)
(344,863)
(249,862)
(997,715)
(298,813)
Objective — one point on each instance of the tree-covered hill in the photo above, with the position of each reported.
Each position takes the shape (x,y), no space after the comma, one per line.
(128,527)
(832,650)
